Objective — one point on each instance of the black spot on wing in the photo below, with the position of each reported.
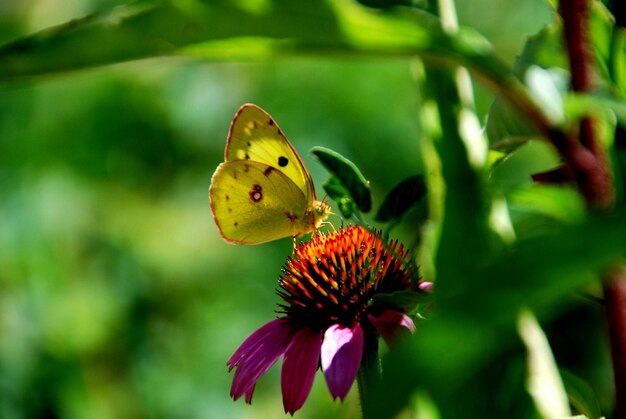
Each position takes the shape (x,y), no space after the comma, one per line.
(268,171)
(283,161)
(271,122)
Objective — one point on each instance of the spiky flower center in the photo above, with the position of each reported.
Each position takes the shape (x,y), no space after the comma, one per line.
(332,278)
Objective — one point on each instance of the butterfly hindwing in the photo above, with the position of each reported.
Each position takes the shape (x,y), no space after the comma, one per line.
(255,136)
(252,203)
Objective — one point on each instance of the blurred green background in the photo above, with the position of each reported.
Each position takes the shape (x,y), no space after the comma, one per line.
(118,298)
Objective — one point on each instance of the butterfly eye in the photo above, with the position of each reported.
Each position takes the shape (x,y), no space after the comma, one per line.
(283,161)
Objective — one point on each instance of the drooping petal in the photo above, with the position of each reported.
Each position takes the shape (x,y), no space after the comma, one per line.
(342,350)
(390,323)
(299,367)
(257,354)
(426,286)
(249,392)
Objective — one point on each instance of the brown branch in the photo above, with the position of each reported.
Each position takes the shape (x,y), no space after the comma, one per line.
(588,163)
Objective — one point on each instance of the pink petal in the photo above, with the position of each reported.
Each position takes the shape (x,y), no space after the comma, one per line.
(341,357)
(299,367)
(390,323)
(257,354)
(426,286)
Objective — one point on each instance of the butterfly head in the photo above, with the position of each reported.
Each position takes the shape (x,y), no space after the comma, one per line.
(320,212)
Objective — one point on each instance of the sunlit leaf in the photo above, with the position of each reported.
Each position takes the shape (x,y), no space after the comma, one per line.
(543,381)
(507,128)
(559,202)
(239,30)
(465,208)
(578,105)
(515,169)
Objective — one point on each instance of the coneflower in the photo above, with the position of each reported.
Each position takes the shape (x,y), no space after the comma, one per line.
(329,286)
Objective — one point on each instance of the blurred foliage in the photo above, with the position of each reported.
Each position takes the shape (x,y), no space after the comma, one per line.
(118,298)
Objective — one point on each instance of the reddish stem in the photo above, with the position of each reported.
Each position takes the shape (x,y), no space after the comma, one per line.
(588,162)
(581,150)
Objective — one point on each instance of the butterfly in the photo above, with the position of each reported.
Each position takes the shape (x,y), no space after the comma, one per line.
(262,191)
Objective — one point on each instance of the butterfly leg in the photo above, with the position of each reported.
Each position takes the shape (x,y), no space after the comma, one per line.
(327,223)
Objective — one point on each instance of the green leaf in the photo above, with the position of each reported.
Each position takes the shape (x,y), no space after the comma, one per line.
(465,216)
(404,196)
(348,174)
(581,395)
(475,323)
(578,105)
(557,202)
(507,128)
(384,4)
(547,88)
(207,29)
(338,193)
(405,300)
(516,168)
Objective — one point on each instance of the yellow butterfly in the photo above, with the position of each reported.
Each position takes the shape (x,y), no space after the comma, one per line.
(262,191)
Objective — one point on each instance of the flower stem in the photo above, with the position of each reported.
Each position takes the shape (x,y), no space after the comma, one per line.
(370,371)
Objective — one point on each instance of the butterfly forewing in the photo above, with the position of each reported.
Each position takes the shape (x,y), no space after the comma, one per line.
(254,203)
(255,136)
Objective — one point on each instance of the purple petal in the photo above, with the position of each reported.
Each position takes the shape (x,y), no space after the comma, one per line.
(249,392)
(299,367)
(390,323)
(257,354)
(341,357)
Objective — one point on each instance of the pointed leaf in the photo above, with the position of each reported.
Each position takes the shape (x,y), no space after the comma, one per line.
(340,194)
(404,300)
(348,174)
(544,383)
(404,196)
(581,395)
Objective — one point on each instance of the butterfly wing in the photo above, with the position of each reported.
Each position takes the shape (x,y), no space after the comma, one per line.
(254,135)
(253,203)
